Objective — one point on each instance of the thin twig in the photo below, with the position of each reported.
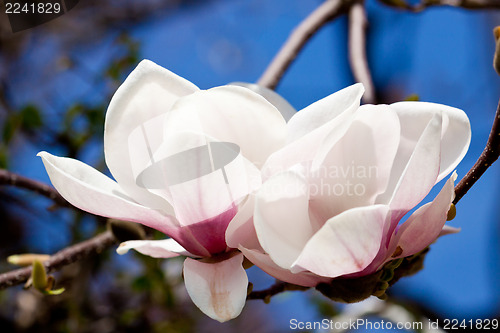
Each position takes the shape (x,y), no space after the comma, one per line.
(326,12)
(489,155)
(62,258)
(357,50)
(468,4)
(13,179)
(276,288)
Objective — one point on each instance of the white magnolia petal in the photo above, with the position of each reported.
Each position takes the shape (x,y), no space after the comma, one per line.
(202,178)
(426,223)
(133,127)
(264,262)
(346,244)
(447,230)
(164,248)
(90,190)
(328,118)
(241,230)
(419,174)
(218,289)
(286,110)
(456,132)
(231,114)
(323,111)
(357,168)
(281,217)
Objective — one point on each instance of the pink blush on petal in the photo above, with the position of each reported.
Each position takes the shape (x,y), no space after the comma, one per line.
(211,233)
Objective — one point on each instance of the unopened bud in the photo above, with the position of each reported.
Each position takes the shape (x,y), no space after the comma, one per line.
(247,263)
(412,98)
(249,288)
(27,259)
(39,276)
(451,213)
(387,275)
(41,281)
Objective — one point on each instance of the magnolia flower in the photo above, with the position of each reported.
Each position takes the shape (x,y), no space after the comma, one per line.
(184,160)
(333,197)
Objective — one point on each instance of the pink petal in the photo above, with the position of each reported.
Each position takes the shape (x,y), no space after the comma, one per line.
(90,190)
(231,114)
(346,244)
(425,225)
(165,248)
(211,233)
(133,128)
(447,230)
(264,262)
(282,217)
(218,289)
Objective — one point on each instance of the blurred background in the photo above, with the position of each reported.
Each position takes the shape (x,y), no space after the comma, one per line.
(57,79)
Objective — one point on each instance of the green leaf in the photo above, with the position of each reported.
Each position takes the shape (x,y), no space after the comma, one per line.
(54,291)
(4,157)
(31,118)
(39,276)
(141,284)
(10,127)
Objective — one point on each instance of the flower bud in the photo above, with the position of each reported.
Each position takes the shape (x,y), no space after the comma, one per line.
(41,281)
(451,213)
(27,259)
(39,276)
(249,288)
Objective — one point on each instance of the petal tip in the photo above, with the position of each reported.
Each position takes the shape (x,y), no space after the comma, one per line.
(42,154)
(360,86)
(147,65)
(122,248)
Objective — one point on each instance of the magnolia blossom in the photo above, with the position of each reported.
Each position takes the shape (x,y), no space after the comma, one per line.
(183,161)
(333,198)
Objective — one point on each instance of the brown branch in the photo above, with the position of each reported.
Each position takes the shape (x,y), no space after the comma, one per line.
(62,258)
(327,11)
(489,155)
(424,4)
(275,289)
(357,50)
(13,179)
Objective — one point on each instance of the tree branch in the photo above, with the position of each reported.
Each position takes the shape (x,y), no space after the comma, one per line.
(357,50)
(424,4)
(489,155)
(13,179)
(275,289)
(327,11)
(62,258)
